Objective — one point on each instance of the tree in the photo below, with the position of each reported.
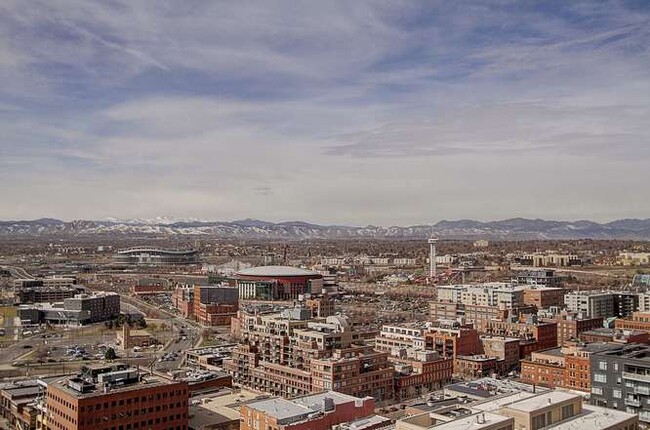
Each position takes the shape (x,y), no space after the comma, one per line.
(110,354)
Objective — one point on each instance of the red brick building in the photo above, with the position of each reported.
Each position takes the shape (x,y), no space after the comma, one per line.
(414,378)
(639,321)
(472,367)
(603,334)
(183,300)
(117,400)
(452,341)
(544,297)
(534,336)
(568,367)
(215,305)
(569,326)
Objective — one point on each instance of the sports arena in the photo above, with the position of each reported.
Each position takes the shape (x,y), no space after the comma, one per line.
(276,282)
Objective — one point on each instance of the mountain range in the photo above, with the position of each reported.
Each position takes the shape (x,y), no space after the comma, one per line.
(510,229)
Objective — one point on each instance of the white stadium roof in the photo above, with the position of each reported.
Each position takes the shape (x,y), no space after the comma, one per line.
(276,271)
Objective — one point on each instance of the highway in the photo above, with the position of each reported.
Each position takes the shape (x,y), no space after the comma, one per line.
(17,272)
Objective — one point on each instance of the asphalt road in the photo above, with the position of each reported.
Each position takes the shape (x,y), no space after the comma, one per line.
(190,329)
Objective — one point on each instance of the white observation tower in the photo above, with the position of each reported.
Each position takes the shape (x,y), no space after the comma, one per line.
(432,257)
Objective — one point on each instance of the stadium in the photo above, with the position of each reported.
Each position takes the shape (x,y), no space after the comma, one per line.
(144,255)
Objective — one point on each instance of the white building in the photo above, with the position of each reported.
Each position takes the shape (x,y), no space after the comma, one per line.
(590,304)
(499,294)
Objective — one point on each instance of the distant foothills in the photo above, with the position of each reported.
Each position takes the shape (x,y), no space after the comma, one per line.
(510,229)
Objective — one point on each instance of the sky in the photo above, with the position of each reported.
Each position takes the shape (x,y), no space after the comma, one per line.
(352,112)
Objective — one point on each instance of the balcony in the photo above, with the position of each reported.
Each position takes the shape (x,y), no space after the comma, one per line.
(636,377)
(633,402)
(642,389)
(644,416)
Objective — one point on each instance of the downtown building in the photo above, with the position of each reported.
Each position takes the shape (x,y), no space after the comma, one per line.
(291,354)
(590,304)
(473,303)
(78,310)
(322,411)
(548,410)
(417,371)
(620,379)
(567,367)
(108,397)
(214,304)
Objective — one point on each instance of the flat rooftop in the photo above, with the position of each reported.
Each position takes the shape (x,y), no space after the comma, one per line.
(147,382)
(367,422)
(496,403)
(541,401)
(555,352)
(593,417)
(469,422)
(218,408)
(283,409)
(489,387)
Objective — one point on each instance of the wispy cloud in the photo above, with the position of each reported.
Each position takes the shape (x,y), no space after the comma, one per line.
(329,111)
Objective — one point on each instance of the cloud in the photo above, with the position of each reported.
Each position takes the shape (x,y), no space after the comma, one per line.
(508,129)
(263,191)
(339,112)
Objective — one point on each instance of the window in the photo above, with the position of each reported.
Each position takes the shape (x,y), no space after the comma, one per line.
(567,411)
(599,377)
(597,390)
(539,421)
(602,365)
(616,394)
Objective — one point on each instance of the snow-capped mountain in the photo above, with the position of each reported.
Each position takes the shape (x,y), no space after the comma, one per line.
(511,229)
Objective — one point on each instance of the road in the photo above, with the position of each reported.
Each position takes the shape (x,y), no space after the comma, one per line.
(17,272)
(191,332)
(566,270)
(189,339)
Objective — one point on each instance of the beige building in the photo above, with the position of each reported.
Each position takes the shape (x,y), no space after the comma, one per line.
(550,410)
(633,258)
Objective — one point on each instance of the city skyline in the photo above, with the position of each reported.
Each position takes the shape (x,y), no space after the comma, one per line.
(395,113)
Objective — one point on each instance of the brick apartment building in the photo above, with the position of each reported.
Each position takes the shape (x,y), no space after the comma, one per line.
(292,354)
(638,321)
(567,367)
(544,297)
(570,325)
(505,349)
(417,371)
(120,399)
(533,335)
(416,377)
(452,340)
